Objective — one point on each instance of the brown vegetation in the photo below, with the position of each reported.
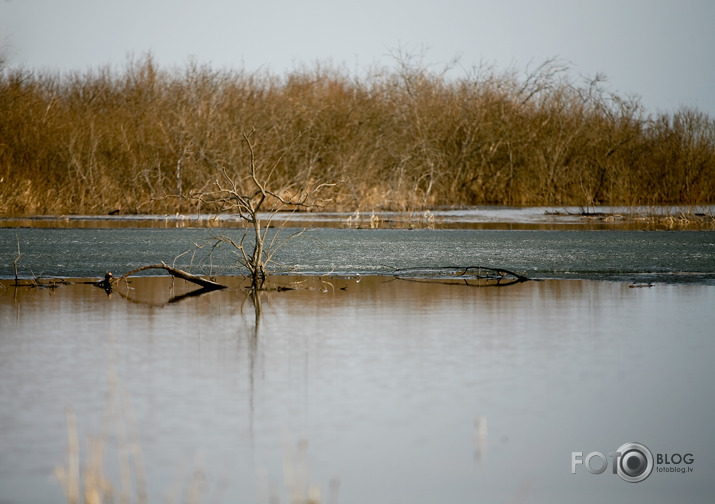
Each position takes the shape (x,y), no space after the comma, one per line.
(129,141)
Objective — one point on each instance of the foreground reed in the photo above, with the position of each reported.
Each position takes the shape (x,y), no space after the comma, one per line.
(139,139)
(85,477)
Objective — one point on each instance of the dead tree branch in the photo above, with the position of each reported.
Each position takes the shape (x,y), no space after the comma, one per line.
(229,195)
(17,259)
(204,283)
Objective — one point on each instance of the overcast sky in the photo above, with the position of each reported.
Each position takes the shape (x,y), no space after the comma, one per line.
(662,51)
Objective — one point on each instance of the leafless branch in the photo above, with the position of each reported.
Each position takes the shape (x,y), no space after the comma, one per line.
(248,200)
(206,284)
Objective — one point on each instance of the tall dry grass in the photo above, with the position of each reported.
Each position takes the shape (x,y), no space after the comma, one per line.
(405,137)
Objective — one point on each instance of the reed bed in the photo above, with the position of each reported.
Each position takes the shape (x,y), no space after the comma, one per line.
(142,138)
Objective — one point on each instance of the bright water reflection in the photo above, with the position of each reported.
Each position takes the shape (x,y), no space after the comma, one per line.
(392,383)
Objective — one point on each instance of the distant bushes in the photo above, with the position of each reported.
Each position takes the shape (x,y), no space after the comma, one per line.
(400,138)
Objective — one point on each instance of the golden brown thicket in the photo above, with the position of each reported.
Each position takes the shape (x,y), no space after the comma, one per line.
(405,137)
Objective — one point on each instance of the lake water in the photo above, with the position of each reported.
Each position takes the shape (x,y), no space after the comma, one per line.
(639,256)
(365,387)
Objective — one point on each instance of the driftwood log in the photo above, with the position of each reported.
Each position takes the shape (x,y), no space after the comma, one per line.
(498,277)
(203,282)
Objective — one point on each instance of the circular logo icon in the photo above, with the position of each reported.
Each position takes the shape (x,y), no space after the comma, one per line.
(635,463)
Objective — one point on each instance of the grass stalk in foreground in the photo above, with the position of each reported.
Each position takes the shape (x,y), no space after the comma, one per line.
(90,483)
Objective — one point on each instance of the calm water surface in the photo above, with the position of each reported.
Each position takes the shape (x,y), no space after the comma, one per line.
(386,391)
(371,389)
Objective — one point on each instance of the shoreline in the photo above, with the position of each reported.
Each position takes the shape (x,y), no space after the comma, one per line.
(686,217)
(322,283)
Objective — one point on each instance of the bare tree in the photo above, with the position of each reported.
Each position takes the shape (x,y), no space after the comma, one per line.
(256,204)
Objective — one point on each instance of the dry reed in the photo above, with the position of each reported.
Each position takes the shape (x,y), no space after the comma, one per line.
(401,138)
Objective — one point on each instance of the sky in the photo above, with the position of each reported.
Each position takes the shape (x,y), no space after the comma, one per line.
(662,51)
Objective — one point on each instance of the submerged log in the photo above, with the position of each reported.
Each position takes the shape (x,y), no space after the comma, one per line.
(189,277)
(498,277)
